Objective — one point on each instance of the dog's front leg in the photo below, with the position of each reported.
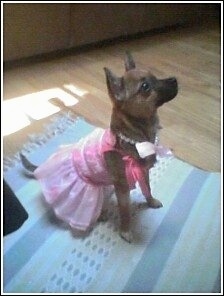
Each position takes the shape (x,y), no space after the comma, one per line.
(116,168)
(151,201)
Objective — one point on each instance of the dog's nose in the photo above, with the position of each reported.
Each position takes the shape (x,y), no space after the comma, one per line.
(172,80)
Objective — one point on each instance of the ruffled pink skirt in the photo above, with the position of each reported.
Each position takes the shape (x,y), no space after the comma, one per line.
(75,180)
(73,200)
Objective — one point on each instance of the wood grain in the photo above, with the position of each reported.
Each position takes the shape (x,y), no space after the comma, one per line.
(191,122)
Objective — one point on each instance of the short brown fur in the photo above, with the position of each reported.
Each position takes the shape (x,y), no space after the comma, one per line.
(136,96)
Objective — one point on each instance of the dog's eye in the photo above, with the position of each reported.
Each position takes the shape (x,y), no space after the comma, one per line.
(145,87)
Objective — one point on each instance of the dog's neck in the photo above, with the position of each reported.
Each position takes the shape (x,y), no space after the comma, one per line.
(134,130)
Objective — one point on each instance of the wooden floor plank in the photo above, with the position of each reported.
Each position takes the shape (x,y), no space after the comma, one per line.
(191,123)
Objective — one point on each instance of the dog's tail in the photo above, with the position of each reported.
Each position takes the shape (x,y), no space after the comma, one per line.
(30,168)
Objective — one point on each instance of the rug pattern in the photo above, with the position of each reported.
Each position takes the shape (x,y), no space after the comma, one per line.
(176,249)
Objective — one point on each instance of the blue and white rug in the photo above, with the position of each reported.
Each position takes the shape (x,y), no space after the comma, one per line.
(176,249)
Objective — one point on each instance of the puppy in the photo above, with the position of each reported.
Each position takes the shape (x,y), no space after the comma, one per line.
(75,179)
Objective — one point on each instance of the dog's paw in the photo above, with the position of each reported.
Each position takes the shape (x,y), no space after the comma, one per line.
(127,236)
(154,203)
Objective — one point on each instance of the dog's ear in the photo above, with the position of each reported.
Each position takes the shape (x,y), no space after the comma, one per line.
(115,86)
(129,61)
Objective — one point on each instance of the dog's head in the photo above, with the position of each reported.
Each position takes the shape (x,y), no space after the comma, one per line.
(139,93)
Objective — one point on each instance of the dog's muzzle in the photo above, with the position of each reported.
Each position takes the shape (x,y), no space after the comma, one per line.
(167,90)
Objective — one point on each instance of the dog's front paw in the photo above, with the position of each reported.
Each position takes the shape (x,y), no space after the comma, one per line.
(154,203)
(127,236)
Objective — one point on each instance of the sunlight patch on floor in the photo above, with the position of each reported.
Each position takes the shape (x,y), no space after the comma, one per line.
(12,119)
(76,90)
(17,111)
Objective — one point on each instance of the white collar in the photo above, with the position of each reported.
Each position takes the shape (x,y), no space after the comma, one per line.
(144,148)
(133,142)
(126,139)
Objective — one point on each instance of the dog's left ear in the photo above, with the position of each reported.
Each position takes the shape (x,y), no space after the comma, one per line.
(129,61)
(115,86)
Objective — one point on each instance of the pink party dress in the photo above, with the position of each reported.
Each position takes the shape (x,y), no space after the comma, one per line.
(75,180)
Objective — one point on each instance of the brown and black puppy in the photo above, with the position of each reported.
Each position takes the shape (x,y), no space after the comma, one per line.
(135,97)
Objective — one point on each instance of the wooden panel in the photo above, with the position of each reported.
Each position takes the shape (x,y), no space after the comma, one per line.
(91,23)
(31,29)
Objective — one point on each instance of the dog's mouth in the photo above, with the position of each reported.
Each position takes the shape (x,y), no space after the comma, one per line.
(167,89)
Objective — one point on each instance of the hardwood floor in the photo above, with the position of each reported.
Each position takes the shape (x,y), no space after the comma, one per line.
(191,122)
